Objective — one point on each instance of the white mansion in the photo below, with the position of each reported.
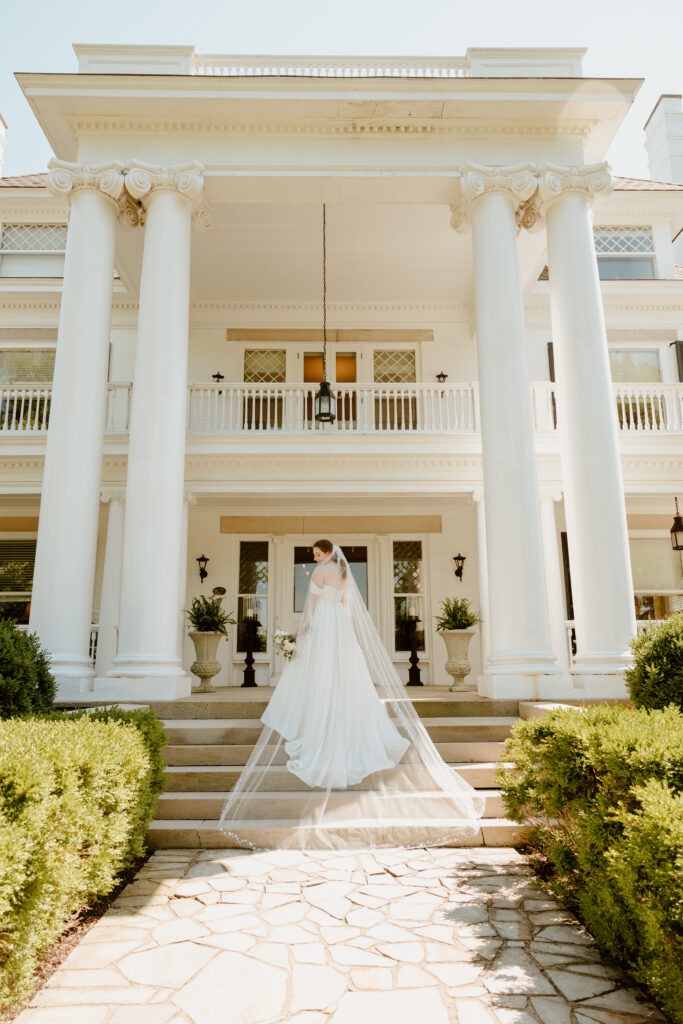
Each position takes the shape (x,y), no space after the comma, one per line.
(504,346)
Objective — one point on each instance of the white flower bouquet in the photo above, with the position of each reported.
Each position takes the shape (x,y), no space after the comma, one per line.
(285,643)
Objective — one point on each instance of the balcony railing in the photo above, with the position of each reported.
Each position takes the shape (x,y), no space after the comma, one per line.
(330,67)
(360,408)
(642,409)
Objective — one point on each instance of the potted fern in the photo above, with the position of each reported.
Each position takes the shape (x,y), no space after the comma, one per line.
(456,623)
(208,623)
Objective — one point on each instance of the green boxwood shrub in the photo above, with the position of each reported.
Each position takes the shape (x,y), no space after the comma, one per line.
(656,679)
(603,788)
(26,683)
(76,795)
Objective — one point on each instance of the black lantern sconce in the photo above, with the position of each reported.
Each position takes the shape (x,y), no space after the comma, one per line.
(202,562)
(677,531)
(218,377)
(442,377)
(324,399)
(459,565)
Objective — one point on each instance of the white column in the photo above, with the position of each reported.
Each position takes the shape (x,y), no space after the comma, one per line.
(594,492)
(188,499)
(519,632)
(554,578)
(111,584)
(63,582)
(483,578)
(148,665)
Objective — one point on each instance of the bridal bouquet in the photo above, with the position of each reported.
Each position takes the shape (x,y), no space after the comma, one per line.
(285,643)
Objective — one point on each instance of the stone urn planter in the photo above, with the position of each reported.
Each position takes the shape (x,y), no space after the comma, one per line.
(205,667)
(455,623)
(208,623)
(457,643)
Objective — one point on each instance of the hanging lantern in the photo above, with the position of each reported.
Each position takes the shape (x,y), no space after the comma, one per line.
(324,399)
(677,531)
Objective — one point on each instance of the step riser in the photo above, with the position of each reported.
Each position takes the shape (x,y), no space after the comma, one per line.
(203,808)
(253,706)
(227,735)
(239,753)
(195,779)
(492,833)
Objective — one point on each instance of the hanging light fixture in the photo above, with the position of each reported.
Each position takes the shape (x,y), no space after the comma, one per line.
(202,562)
(324,399)
(677,531)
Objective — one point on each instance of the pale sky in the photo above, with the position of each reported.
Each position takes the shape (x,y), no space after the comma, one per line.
(624,40)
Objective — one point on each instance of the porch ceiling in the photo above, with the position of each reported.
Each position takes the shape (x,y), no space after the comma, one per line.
(375,254)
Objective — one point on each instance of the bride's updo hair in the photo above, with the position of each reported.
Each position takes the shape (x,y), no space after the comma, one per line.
(326,546)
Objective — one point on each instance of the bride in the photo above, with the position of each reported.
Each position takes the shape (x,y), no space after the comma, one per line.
(343,759)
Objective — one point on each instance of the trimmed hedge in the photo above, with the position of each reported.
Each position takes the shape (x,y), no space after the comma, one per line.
(76,795)
(603,788)
(26,684)
(656,678)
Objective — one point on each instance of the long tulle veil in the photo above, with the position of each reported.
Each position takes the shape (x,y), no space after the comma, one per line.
(420,802)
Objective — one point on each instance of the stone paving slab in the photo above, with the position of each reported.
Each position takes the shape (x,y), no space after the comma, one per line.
(416,936)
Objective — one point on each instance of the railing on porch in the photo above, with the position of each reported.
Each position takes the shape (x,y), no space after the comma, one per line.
(360,408)
(92,645)
(642,409)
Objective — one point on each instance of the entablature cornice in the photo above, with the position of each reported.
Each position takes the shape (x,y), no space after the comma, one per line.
(579,129)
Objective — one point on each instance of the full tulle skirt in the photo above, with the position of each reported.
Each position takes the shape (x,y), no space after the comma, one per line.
(326,707)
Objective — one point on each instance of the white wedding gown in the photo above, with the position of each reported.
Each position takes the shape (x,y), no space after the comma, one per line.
(336,728)
(343,760)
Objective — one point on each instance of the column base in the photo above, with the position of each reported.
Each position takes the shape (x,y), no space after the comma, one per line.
(523,686)
(599,685)
(142,688)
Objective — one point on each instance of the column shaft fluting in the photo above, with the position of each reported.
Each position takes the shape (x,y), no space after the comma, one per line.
(63,582)
(597,533)
(110,601)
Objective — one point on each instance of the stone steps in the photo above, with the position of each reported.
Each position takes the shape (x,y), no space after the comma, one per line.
(251,702)
(210,739)
(212,778)
(233,754)
(206,805)
(218,731)
(205,834)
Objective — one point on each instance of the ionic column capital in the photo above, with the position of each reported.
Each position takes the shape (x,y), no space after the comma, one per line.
(518,182)
(64,179)
(143,180)
(591,181)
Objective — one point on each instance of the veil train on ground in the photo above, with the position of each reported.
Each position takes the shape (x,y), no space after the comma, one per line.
(344,760)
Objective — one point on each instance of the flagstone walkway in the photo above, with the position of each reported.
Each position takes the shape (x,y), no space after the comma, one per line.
(406,937)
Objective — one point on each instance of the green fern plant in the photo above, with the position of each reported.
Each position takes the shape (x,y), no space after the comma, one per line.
(456,613)
(206,615)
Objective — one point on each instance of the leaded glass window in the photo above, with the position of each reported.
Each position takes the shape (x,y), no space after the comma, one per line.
(265,366)
(408,595)
(33,238)
(252,601)
(394,366)
(625,253)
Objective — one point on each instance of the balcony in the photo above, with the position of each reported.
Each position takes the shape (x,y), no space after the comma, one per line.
(288,409)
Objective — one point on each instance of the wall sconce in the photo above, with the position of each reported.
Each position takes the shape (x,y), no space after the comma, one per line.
(202,561)
(442,377)
(677,531)
(459,565)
